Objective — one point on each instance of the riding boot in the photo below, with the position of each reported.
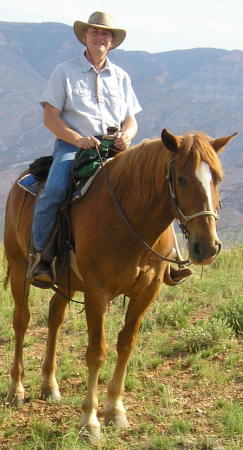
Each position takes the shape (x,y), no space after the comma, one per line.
(174,276)
(40,272)
(180,274)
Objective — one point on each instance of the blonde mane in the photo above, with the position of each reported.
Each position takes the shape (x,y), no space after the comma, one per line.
(141,171)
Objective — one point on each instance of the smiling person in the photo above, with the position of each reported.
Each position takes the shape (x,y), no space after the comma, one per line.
(84,96)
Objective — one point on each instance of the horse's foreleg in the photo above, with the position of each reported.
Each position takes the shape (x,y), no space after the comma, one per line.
(49,386)
(21,316)
(95,357)
(115,412)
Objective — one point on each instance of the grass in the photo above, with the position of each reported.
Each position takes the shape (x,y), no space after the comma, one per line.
(183,381)
(230,417)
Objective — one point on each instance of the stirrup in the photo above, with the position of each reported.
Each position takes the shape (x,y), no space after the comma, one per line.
(40,273)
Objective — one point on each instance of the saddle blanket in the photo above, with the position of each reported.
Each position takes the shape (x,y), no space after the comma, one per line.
(32,184)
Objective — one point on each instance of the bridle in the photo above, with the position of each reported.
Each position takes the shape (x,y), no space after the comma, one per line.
(171,184)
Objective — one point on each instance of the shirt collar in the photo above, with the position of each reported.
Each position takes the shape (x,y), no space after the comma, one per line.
(87,65)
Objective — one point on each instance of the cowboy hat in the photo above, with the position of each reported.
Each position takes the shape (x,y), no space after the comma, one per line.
(99,20)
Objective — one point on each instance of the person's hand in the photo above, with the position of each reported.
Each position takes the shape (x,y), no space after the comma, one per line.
(88,142)
(122,140)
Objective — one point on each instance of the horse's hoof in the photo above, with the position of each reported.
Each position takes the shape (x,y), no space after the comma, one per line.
(91,433)
(118,420)
(17,400)
(51,395)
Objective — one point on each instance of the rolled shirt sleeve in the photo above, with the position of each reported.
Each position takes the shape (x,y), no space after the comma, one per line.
(133,106)
(55,91)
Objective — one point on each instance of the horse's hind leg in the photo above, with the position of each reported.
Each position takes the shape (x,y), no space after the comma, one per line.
(21,316)
(49,386)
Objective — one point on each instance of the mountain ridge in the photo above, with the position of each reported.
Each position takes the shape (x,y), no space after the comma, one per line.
(182,90)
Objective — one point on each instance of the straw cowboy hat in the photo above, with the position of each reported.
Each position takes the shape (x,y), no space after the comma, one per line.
(100,20)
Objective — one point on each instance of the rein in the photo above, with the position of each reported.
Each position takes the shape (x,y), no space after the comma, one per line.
(128,223)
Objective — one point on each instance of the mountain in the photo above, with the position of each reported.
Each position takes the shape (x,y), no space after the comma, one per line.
(182,90)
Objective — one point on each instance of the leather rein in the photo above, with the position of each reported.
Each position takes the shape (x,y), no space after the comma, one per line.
(171,184)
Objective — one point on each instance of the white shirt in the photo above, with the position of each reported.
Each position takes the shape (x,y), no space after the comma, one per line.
(90,102)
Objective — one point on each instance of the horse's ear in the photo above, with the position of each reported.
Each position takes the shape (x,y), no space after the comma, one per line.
(170,141)
(220,143)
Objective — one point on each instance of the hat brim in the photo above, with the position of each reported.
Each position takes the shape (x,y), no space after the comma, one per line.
(80,27)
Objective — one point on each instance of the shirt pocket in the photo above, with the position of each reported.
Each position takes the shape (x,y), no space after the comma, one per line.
(113,92)
(113,99)
(81,89)
(81,98)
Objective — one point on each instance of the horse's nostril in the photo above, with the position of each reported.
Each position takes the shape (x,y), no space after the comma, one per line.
(203,253)
(196,249)
(219,245)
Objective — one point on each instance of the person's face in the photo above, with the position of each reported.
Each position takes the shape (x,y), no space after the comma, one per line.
(98,39)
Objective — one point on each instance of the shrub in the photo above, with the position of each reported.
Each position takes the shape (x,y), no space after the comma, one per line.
(175,314)
(232,314)
(205,333)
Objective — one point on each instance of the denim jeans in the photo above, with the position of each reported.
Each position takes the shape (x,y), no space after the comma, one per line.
(56,189)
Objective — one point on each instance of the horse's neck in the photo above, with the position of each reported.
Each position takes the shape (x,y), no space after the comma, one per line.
(141,189)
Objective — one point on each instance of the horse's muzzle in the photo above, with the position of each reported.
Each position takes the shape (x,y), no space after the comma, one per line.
(203,253)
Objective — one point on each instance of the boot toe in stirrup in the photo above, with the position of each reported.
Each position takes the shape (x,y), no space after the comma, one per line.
(40,273)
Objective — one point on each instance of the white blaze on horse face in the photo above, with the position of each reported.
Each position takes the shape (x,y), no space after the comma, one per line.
(204,176)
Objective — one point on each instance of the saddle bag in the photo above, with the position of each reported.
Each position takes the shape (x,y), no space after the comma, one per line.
(40,167)
(86,162)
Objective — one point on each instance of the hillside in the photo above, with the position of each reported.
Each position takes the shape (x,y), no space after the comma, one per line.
(184,381)
(197,89)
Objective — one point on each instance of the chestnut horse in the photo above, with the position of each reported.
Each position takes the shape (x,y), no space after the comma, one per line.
(155,182)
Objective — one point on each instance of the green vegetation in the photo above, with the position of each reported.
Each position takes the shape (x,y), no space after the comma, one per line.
(206,333)
(183,381)
(230,417)
(232,313)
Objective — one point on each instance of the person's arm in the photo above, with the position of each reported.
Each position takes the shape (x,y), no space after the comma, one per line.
(54,122)
(127,133)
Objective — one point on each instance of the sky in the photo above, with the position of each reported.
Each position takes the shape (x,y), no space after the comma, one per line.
(152,25)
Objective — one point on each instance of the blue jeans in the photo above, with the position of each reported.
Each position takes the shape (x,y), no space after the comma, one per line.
(56,189)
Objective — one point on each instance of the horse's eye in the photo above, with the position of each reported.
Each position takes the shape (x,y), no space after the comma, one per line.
(182,181)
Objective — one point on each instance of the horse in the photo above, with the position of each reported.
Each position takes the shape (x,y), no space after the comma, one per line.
(155,182)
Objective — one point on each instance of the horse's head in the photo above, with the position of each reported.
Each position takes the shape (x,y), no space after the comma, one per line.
(194,173)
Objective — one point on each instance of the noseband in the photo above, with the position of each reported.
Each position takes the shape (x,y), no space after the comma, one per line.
(171,183)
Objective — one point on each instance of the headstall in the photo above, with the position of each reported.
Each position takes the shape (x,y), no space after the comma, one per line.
(171,183)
